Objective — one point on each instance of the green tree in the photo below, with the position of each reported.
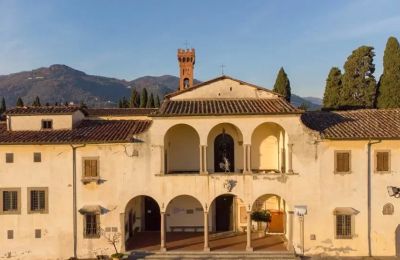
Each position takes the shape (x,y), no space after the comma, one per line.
(333,89)
(388,89)
(36,102)
(304,106)
(150,101)
(157,102)
(143,98)
(3,107)
(135,98)
(358,81)
(282,85)
(20,102)
(120,103)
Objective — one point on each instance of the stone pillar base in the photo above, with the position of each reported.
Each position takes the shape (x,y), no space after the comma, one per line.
(249,249)
(163,249)
(206,249)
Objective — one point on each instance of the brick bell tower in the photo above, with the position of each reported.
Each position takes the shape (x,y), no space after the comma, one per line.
(186,59)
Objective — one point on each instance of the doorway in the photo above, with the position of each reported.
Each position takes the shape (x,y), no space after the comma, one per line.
(224,153)
(152,215)
(224,213)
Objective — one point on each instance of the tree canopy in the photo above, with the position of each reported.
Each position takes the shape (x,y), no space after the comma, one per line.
(333,89)
(282,85)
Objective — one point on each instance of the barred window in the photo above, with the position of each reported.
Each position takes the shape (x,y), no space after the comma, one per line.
(342,162)
(91,226)
(343,226)
(38,200)
(90,168)
(382,161)
(10,200)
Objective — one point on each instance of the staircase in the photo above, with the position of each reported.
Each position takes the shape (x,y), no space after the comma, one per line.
(278,255)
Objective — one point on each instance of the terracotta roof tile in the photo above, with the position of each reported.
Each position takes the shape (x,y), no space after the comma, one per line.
(88,131)
(355,124)
(44,110)
(225,107)
(120,111)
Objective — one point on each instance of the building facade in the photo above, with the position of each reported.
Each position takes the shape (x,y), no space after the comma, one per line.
(213,154)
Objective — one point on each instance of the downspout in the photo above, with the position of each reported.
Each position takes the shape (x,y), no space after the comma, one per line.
(74,206)
(370,143)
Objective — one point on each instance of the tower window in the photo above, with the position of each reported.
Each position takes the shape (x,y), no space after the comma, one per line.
(186,83)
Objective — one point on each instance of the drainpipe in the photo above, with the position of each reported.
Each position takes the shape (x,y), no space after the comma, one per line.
(370,143)
(74,207)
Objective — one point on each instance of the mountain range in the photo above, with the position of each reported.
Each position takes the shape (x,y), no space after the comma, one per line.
(60,83)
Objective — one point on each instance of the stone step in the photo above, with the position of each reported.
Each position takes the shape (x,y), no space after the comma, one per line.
(214,255)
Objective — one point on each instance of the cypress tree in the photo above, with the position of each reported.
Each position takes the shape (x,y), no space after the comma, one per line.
(388,89)
(133,102)
(3,107)
(358,81)
(143,98)
(150,101)
(66,103)
(20,103)
(36,102)
(157,102)
(120,103)
(125,102)
(333,88)
(282,85)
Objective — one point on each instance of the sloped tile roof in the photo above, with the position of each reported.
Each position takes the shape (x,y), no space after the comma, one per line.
(120,111)
(355,124)
(44,110)
(226,107)
(88,131)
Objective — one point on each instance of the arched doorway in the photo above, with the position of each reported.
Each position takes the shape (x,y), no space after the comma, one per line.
(142,224)
(226,214)
(184,224)
(224,153)
(269,235)
(182,150)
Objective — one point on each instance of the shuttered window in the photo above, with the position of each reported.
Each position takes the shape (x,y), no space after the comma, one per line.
(382,161)
(342,162)
(10,200)
(90,168)
(38,200)
(343,226)
(91,226)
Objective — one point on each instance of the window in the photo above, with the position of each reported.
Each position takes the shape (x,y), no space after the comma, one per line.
(342,161)
(37,157)
(38,200)
(343,226)
(10,234)
(10,201)
(38,233)
(90,168)
(91,226)
(47,124)
(388,209)
(382,161)
(9,157)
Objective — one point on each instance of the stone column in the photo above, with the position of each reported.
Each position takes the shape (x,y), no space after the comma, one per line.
(162,160)
(206,246)
(249,158)
(203,159)
(162,247)
(301,221)
(290,150)
(123,235)
(283,160)
(248,230)
(290,231)
(246,158)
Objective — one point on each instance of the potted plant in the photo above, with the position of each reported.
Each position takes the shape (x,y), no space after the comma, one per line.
(262,216)
(113,238)
(117,256)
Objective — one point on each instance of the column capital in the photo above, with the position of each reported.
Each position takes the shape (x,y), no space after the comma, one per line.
(290,211)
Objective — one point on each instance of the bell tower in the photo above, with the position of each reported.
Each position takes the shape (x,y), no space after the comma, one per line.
(186,59)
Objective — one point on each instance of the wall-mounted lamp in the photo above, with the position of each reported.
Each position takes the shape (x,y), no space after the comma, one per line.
(393,191)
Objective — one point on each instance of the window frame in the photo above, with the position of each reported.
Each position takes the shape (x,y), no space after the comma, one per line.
(11,156)
(86,179)
(336,161)
(96,234)
(37,154)
(46,200)
(376,161)
(352,226)
(46,121)
(10,212)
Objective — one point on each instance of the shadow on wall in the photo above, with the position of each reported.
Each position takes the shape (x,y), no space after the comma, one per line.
(330,249)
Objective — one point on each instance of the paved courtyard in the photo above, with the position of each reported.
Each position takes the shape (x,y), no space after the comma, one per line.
(190,241)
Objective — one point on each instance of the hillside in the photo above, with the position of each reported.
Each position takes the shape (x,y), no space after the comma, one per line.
(60,83)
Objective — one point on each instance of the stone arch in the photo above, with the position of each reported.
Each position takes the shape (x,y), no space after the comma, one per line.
(184,213)
(182,149)
(268,143)
(233,132)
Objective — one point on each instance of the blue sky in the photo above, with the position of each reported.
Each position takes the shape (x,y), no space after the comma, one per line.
(253,39)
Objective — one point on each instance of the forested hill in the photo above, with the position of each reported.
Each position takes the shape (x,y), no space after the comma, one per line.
(60,83)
